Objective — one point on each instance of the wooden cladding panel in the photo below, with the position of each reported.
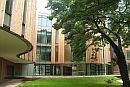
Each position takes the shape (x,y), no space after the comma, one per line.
(61,47)
(17,16)
(30,28)
(107,57)
(100,58)
(53,46)
(2,11)
(88,55)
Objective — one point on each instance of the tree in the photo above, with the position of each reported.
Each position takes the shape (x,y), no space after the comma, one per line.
(98,21)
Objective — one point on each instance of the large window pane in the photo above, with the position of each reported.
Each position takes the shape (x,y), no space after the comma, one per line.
(8,7)
(48,37)
(38,54)
(43,21)
(25,11)
(38,38)
(49,23)
(57,36)
(43,53)
(43,38)
(7,19)
(39,22)
(56,53)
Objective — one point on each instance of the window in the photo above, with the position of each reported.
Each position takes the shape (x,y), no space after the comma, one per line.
(49,23)
(128,54)
(8,7)
(48,37)
(24,17)
(39,21)
(43,20)
(43,53)
(7,16)
(25,11)
(38,53)
(43,37)
(57,34)
(7,19)
(56,53)
(38,38)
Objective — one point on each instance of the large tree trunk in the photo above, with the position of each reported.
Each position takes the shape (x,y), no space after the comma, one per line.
(121,61)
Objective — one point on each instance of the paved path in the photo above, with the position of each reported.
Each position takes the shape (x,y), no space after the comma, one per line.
(11,83)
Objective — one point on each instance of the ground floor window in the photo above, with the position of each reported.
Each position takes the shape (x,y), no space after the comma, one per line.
(98,69)
(52,69)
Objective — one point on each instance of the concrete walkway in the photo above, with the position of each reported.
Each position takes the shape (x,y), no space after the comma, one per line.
(11,83)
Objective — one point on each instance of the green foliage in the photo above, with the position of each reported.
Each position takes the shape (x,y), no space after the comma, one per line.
(84,20)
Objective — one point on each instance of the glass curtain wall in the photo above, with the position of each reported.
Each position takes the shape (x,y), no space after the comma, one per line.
(43,59)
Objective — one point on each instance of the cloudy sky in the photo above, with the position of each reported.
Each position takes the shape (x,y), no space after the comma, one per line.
(41,6)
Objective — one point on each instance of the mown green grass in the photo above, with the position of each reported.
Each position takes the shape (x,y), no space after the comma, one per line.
(73,82)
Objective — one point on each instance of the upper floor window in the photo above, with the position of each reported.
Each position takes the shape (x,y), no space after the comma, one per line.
(44,37)
(43,21)
(8,7)
(57,36)
(7,16)
(24,17)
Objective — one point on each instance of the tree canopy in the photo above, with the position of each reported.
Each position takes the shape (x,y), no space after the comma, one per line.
(100,21)
(78,18)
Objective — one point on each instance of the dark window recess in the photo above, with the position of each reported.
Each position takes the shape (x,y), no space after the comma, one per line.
(57,34)
(48,37)
(7,16)
(8,7)
(23,30)
(56,53)
(44,37)
(43,53)
(24,17)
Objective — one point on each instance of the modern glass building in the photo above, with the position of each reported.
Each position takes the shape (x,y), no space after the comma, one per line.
(43,54)
(54,56)
(50,58)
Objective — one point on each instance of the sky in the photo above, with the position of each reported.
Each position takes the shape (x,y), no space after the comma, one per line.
(41,4)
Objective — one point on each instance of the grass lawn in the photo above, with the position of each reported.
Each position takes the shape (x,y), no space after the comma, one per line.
(73,82)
